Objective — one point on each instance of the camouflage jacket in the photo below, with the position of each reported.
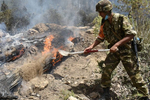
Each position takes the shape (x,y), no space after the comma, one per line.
(120,26)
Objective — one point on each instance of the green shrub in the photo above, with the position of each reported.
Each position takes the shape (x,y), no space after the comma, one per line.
(66,94)
(97,23)
(52,16)
(86,17)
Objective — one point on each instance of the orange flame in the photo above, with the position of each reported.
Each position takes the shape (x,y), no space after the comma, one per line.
(21,52)
(49,48)
(48,44)
(70,38)
(57,56)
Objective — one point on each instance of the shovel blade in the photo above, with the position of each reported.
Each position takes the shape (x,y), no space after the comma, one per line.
(63,53)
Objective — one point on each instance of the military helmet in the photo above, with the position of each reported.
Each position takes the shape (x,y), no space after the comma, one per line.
(104,5)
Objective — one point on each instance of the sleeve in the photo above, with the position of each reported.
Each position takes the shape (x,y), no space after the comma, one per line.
(101,34)
(127,27)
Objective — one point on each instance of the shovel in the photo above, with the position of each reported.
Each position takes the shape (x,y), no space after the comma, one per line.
(65,53)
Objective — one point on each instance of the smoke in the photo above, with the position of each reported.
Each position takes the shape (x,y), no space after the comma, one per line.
(32,12)
(64,12)
(2,27)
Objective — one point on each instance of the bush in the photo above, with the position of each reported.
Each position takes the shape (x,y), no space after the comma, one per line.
(52,16)
(97,23)
(86,17)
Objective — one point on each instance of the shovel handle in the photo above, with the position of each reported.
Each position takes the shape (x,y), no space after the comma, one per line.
(98,50)
(81,52)
(92,50)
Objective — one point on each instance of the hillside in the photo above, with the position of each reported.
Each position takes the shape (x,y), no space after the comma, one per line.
(76,75)
(39,72)
(32,32)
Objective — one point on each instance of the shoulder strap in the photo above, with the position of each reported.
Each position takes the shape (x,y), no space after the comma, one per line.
(120,19)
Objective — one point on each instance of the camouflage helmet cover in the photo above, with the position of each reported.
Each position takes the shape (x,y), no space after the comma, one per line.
(104,5)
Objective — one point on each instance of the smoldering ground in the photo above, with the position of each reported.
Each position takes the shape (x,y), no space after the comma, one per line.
(35,12)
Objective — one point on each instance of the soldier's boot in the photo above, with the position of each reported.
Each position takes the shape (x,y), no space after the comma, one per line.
(144,98)
(105,95)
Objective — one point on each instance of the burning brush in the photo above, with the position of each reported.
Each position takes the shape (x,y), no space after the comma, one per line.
(12,54)
(42,56)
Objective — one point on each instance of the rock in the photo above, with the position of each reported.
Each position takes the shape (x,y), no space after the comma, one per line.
(83,28)
(25,89)
(41,28)
(92,61)
(39,83)
(33,86)
(69,44)
(1,34)
(94,95)
(68,82)
(90,31)
(83,97)
(72,98)
(38,95)
(32,32)
(33,94)
(33,98)
(82,82)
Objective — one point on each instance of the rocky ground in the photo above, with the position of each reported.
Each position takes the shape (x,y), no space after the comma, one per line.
(75,77)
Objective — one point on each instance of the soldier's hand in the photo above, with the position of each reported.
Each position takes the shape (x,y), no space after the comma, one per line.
(114,49)
(87,49)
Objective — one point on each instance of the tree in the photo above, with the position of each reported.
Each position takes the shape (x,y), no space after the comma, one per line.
(139,16)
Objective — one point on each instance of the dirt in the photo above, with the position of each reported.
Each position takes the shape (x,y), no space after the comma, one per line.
(73,71)
(75,75)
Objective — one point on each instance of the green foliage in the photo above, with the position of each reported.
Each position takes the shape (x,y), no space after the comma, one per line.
(53,17)
(101,65)
(139,10)
(139,18)
(66,94)
(86,17)
(6,17)
(97,23)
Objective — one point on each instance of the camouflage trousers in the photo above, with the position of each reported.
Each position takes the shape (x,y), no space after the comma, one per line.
(128,59)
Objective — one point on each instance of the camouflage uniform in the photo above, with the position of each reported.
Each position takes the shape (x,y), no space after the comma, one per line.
(121,27)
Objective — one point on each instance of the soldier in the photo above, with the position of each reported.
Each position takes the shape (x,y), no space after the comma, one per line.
(4,6)
(116,29)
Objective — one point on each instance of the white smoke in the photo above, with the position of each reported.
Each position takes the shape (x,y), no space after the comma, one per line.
(38,11)
(44,11)
(7,40)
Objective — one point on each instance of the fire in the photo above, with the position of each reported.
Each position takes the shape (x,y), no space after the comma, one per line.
(21,52)
(49,48)
(48,44)
(70,38)
(57,56)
